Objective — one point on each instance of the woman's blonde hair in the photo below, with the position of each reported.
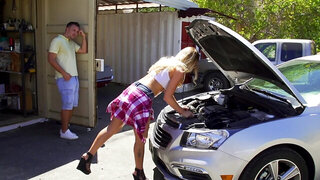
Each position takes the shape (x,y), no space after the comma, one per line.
(186,59)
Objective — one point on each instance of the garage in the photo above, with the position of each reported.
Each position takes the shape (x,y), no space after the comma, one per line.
(128,39)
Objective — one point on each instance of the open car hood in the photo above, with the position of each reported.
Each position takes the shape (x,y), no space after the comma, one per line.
(236,58)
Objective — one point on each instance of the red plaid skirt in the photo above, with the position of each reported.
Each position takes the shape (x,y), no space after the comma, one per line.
(134,108)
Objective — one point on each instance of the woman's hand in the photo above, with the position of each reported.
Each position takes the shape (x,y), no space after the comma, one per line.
(187,113)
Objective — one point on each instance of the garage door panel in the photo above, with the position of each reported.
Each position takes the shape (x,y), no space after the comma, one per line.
(53,17)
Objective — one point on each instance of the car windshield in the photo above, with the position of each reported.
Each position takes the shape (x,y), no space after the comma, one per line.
(304,76)
(268,88)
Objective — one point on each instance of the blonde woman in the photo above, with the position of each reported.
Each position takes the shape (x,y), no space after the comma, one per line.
(134,105)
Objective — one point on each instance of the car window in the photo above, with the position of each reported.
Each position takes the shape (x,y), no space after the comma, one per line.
(290,51)
(305,76)
(267,49)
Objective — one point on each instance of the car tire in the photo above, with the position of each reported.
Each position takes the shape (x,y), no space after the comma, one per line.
(215,81)
(283,160)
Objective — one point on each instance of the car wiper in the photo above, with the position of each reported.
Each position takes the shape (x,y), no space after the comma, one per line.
(271,94)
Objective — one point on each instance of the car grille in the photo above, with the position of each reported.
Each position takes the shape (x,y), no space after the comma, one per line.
(161,137)
(193,175)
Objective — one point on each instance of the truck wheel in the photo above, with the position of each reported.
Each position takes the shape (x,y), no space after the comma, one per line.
(215,81)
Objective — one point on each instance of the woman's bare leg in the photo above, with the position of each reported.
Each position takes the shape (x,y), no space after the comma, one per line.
(138,148)
(114,127)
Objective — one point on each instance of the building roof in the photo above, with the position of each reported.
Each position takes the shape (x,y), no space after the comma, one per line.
(178,4)
(118,2)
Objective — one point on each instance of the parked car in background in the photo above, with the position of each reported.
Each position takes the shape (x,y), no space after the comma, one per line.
(282,50)
(104,77)
(276,50)
(266,126)
(210,77)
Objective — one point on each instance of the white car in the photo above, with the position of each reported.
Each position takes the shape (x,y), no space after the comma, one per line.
(282,50)
(265,127)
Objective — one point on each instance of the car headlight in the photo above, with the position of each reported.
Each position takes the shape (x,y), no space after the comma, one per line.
(204,140)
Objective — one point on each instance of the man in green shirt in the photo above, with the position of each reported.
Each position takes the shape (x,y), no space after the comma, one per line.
(62,57)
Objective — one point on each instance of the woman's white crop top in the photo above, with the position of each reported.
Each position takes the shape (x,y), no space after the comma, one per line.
(162,77)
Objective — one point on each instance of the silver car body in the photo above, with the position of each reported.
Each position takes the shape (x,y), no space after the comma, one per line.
(233,156)
(300,132)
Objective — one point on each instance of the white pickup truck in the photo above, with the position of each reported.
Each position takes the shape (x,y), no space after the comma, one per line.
(276,50)
(281,50)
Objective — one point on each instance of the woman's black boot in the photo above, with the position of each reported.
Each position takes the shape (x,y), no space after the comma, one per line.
(84,165)
(139,175)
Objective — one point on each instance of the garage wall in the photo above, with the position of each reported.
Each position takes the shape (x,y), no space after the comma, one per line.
(131,43)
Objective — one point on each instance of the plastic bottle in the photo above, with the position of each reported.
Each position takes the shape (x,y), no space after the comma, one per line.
(11,44)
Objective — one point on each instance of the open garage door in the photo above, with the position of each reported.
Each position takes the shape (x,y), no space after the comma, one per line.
(52,17)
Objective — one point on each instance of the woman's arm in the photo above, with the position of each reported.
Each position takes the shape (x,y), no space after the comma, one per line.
(177,76)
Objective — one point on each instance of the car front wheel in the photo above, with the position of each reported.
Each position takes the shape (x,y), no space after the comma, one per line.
(276,164)
(215,81)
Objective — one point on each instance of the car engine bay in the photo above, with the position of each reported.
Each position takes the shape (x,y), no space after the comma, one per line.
(231,108)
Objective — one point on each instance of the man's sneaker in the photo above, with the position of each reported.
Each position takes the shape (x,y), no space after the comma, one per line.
(68,135)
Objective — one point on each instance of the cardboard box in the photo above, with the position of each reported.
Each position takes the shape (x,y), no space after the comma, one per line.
(28,100)
(14,102)
(15,62)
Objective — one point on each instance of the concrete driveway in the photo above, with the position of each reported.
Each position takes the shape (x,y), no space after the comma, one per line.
(37,152)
